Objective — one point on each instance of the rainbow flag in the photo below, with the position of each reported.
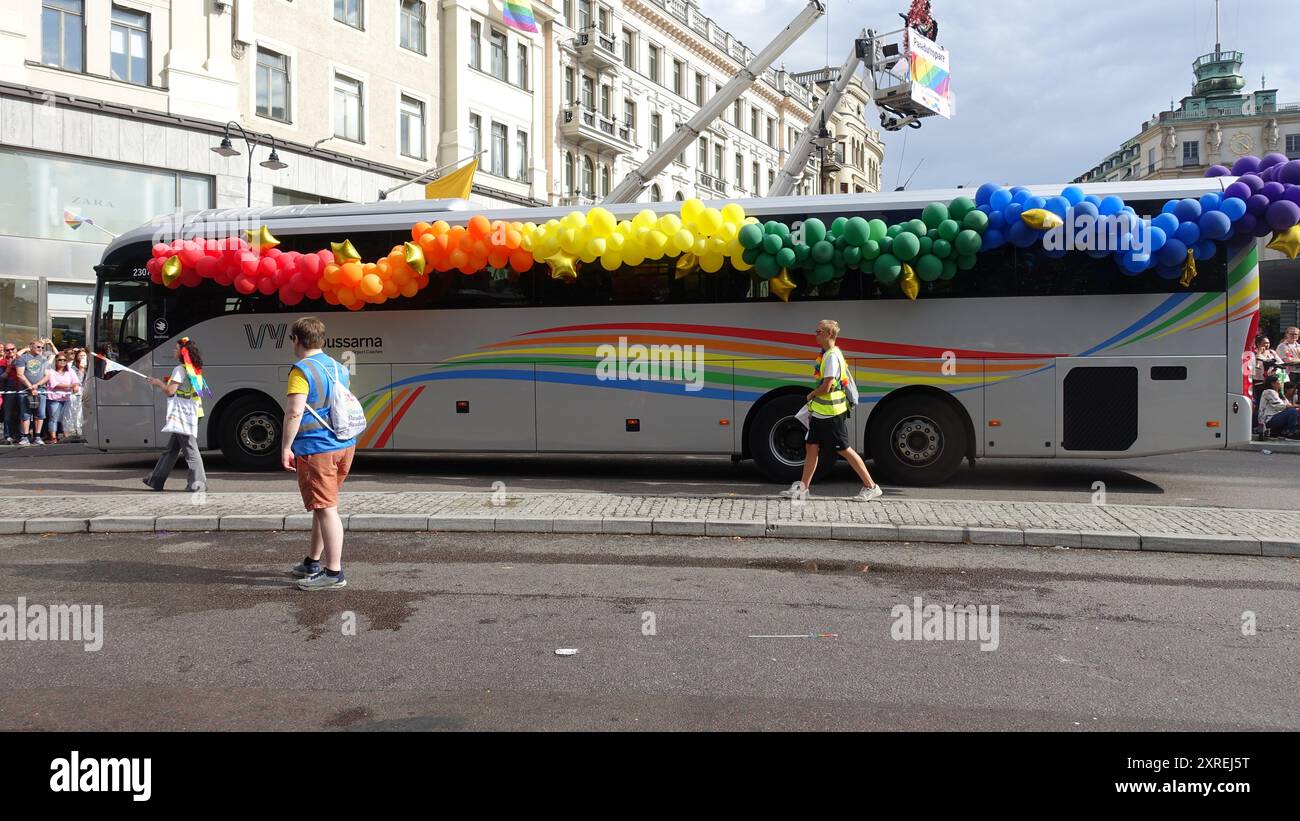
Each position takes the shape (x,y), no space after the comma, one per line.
(518,14)
(71,219)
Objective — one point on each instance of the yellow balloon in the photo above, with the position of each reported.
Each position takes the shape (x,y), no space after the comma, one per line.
(574,219)
(682,240)
(691,210)
(570,240)
(669,224)
(730,230)
(529,227)
(597,246)
(738,262)
(527,242)
(587,255)
(733,214)
(625,228)
(655,242)
(645,219)
(710,221)
(711,263)
(611,261)
(616,241)
(633,254)
(716,245)
(602,222)
(700,247)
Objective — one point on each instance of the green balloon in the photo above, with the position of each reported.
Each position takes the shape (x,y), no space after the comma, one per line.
(823,251)
(837,258)
(933,233)
(886,245)
(814,231)
(893,231)
(906,246)
(925,244)
(948,229)
(928,267)
(766,266)
(949,269)
(751,236)
(857,231)
(837,227)
(785,257)
(876,229)
(887,268)
(960,207)
(916,227)
(772,243)
(751,254)
(852,256)
(965,262)
(840,242)
(933,214)
(821,274)
(976,221)
(870,249)
(771,227)
(941,248)
(782,230)
(968,242)
(801,253)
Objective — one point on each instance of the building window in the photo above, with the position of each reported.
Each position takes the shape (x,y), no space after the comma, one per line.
(588,93)
(499,69)
(679,77)
(679,196)
(702,155)
(654,64)
(655,194)
(500,154)
(629,115)
(569,91)
(718,170)
(521,146)
(629,49)
(588,178)
(63,34)
(348,109)
(771,132)
(412,127)
(568,173)
(754,179)
(129,44)
(604,180)
(737,113)
(604,99)
(1151,160)
(740,170)
(1293,146)
(348,11)
(699,88)
(522,66)
(568,12)
(584,15)
(272,85)
(412,25)
(475,45)
(1191,152)
(656,130)
(771,178)
(604,19)
(476,134)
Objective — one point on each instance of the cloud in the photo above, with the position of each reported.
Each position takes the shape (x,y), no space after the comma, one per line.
(1044,90)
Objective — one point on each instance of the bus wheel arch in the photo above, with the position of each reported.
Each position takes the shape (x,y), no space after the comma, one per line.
(919,435)
(246,425)
(773,439)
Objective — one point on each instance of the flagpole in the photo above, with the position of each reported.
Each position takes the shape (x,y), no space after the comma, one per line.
(110,366)
(383,194)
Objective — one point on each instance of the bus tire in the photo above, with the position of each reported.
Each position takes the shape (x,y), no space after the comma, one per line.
(917,440)
(250,433)
(776,441)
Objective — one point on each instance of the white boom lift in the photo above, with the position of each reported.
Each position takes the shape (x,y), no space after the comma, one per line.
(631,186)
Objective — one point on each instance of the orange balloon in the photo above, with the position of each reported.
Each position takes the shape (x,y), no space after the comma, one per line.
(346,296)
(351,273)
(418,229)
(441,247)
(441,227)
(513,238)
(498,257)
(330,297)
(401,274)
(458,258)
(370,285)
(429,242)
(422,282)
(356,306)
(521,260)
(479,226)
(324,284)
(331,274)
(390,290)
(409,290)
(383,267)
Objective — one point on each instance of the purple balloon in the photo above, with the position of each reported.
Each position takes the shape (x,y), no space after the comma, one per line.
(1262,229)
(1290,173)
(1272,190)
(1257,204)
(1268,174)
(1271,159)
(1239,190)
(1246,165)
(1292,194)
(1253,181)
(1282,215)
(1218,171)
(1246,224)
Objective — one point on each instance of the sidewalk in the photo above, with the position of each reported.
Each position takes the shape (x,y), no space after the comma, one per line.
(1124,527)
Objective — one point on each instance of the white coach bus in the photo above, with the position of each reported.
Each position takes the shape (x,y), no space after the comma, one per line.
(1021,356)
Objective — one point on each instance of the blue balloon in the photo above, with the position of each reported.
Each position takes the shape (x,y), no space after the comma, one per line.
(1169,271)
(984,207)
(1215,225)
(999,199)
(1205,249)
(997,220)
(1016,189)
(1130,264)
(1058,206)
(1022,236)
(1188,232)
(1234,207)
(1188,210)
(1174,252)
(1168,208)
(1210,202)
(984,192)
(993,238)
(1012,213)
(1035,202)
(1020,195)
(1167,222)
(1158,237)
(1110,206)
(1072,193)
(1085,208)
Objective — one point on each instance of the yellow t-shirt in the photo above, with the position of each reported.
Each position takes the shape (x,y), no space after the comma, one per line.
(297,381)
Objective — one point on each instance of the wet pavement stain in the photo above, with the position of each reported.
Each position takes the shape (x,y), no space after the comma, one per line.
(382,609)
(348,717)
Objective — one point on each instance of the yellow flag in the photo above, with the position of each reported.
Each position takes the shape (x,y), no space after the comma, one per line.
(455,185)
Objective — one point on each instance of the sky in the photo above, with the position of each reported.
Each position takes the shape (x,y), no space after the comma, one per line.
(1044,89)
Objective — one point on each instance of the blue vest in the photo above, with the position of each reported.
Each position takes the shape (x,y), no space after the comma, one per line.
(320,371)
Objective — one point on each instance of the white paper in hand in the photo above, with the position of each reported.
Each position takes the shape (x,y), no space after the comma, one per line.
(804,416)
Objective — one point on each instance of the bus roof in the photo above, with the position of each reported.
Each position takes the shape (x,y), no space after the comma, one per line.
(288,220)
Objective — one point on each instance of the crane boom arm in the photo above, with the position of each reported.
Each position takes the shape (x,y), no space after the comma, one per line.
(631,186)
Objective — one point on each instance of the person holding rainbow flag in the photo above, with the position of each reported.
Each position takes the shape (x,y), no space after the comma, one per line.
(184,388)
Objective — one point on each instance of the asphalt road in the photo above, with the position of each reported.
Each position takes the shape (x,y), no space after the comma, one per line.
(459,631)
(1242,479)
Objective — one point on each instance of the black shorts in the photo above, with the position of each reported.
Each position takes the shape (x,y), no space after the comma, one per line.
(830,433)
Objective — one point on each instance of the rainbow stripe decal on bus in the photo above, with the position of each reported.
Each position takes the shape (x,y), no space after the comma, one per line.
(745,363)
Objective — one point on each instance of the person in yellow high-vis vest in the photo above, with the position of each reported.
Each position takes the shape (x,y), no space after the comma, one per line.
(828,424)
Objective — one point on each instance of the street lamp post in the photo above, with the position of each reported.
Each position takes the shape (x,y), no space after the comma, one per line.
(252,140)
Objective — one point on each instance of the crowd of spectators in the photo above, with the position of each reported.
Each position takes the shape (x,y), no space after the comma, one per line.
(40,392)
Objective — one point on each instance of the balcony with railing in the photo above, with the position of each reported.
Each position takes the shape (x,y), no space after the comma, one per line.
(708,182)
(598,49)
(598,131)
(578,199)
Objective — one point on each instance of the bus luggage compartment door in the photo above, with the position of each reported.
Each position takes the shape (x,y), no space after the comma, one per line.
(1139,405)
(445,407)
(123,408)
(1019,408)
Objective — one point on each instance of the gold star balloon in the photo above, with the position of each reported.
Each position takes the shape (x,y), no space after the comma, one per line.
(1288,241)
(1040,219)
(171,269)
(344,252)
(414,256)
(685,265)
(261,238)
(1189,270)
(908,282)
(563,266)
(781,285)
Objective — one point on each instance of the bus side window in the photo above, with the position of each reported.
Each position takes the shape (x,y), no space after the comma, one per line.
(122,333)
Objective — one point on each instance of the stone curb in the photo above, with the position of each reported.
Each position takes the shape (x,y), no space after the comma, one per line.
(122,524)
(56,525)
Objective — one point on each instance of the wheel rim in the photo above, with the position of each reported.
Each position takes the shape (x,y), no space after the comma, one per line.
(786,441)
(256,433)
(917,441)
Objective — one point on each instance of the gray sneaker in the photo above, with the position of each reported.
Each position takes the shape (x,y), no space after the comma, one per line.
(305,569)
(321,581)
(869,493)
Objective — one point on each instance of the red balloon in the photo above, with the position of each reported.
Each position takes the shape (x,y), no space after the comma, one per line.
(245,285)
(266,267)
(301,281)
(249,263)
(190,278)
(290,297)
(177,245)
(326,257)
(272,252)
(224,278)
(155,277)
(154,266)
(266,285)
(282,277)
(207,267)
(311,264)
(162,249)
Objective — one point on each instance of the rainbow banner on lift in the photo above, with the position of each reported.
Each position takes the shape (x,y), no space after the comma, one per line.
(930,78)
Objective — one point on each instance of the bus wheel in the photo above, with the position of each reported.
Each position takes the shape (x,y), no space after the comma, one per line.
(776,440)
(250,433)
(917,440)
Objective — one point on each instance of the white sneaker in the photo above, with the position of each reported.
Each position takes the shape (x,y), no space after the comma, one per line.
(797,491)
(869,493)
(38,441)
(22,443)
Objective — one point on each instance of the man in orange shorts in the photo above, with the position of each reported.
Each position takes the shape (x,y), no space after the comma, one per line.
(311,450)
